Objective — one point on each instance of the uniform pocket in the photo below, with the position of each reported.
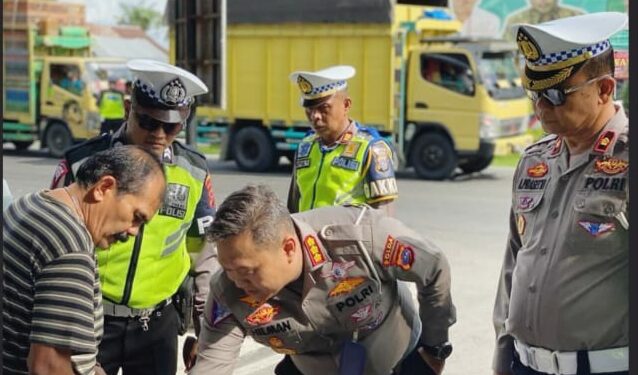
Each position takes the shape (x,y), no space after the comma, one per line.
(599,222)
(526,207)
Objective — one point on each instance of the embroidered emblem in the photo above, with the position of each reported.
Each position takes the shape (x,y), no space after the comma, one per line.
(175,201)
(338,271)
(361,314)
(604,140)
(317,257)
(304,150)
(605,183)
(346,286)
(520,224)
(381,156)
(538,170)
(397,254)
(173,93)
(527,45)
(219,313)
(304,85)
(345,163)
(350,150)
(263,315)
(596,229)
(525,202)
(611,166)
(250,301)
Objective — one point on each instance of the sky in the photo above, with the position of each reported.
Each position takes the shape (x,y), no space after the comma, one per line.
(107,12)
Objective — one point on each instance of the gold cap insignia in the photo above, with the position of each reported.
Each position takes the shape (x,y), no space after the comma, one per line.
(304,85)
(527,45)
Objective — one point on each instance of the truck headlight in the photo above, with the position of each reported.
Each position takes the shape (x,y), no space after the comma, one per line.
(488,126)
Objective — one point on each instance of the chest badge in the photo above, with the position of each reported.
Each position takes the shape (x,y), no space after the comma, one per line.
(346,286)
(611,166)
(338,271)
(597,229)
(175,201)
(263,315)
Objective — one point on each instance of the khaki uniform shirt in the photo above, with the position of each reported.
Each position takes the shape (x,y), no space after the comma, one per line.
(564,282)
(349,284)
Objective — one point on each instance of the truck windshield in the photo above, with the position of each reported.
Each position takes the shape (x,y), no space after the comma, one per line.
(500,76)
(108,76)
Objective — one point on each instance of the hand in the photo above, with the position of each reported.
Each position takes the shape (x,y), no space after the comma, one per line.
(435,364)
(189,352)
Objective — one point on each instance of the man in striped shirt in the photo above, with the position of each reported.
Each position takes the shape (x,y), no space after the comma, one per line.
(52,300)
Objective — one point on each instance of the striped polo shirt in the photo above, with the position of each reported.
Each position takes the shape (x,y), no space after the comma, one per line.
(51,285)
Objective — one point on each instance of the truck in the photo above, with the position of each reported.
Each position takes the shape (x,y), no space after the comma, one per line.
(51,83)
(444,101)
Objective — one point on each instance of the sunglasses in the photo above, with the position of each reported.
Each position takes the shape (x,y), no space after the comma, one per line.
(150,124)
(558,96)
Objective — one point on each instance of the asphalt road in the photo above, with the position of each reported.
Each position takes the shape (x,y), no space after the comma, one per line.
(466,217)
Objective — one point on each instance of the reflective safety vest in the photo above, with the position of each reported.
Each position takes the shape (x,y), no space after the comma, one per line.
(332,177)
(147,269)
(112,105)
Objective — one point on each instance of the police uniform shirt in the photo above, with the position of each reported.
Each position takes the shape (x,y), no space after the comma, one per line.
(564,282)
(339,294)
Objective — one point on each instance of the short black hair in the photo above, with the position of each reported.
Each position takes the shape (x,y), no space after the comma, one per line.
(130,165)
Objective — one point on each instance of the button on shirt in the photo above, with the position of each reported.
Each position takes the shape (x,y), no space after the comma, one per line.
(564,282)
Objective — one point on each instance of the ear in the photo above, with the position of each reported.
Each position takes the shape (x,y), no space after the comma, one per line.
(347,104)
(105,186)
(289,247)
(606,88)
(127,108)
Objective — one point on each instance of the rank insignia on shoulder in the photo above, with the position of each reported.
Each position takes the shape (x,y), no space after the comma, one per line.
(604,141)
(520,224)
(315,254)
(611,166)
(557,147)
(346,286)
(263,315)
(350,149)
(538,170)
(597,229)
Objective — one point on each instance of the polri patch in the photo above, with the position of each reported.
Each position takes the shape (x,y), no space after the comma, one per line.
(315,254)
(604,140)
(397,254)
(605,183)
(596,229)
(611,166)
(538,170)
(345,163)
(175,201)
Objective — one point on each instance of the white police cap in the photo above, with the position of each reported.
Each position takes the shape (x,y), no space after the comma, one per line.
(315,86)
(555,50)
(165,90)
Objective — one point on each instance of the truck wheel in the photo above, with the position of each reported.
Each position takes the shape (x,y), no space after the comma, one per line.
(433,156)
(58,139)
(253,150)
(477,164)
(22,145)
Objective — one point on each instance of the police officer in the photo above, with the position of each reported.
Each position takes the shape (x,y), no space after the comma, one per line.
(340,161)
(321,286)
(111,106)
(562,300)
(141,276)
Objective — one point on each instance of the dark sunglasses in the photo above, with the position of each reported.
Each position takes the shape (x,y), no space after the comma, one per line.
(150,124)
(558,96)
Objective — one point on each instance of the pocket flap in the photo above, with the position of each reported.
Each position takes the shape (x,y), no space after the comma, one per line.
(600,205)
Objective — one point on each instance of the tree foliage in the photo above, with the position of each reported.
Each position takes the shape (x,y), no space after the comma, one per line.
(141,15)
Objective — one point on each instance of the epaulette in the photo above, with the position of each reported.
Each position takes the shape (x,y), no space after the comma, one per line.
(195,157)
(87,148)
(540,145)
(622,143)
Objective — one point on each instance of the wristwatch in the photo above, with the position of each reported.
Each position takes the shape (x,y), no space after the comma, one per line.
(439,352)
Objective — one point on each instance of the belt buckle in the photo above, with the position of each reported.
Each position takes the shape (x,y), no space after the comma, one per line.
(555,362)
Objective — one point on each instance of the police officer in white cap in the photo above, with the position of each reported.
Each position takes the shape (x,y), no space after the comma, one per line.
(340,161)
(140,278)
(562,299)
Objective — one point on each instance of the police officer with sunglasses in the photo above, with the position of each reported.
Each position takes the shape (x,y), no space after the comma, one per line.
(562,299)
(147,281)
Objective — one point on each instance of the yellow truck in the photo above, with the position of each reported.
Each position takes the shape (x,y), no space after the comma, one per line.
(444,101)
(51,85)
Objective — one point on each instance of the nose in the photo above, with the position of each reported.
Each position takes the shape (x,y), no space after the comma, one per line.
(313,114)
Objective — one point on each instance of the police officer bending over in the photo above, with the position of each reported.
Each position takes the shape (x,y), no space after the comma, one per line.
(562,302)
(140,278)
(321,286)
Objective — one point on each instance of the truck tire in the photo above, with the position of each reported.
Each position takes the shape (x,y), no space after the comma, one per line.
(22,145)
(433,156)
(253,150)
(476,164)
(58,139)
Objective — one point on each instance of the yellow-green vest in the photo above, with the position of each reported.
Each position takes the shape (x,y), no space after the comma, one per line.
(112,105)
(331,177)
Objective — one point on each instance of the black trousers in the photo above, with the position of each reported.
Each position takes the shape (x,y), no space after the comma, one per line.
(583,367)
(126,345)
